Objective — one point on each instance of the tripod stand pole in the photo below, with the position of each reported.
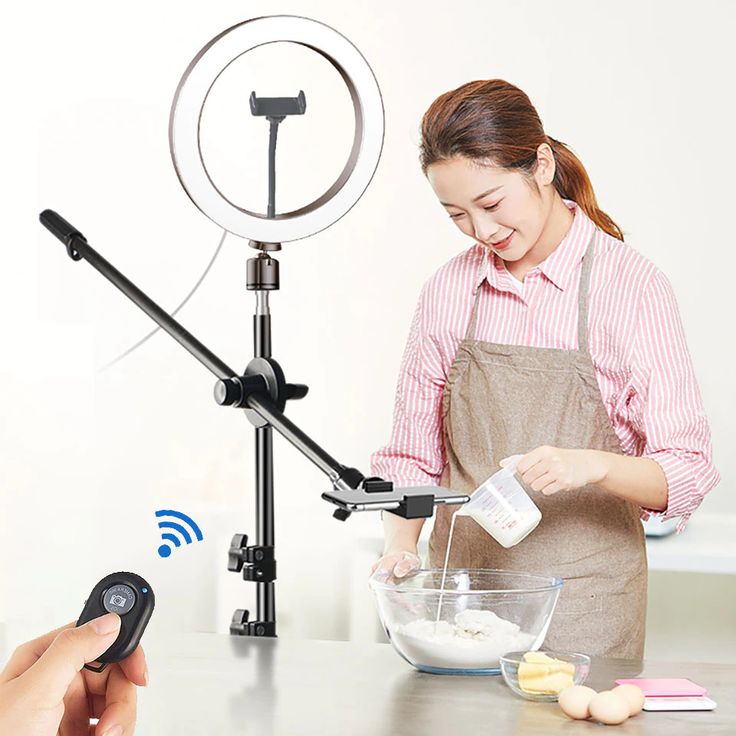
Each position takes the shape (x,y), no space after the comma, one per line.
(265,592)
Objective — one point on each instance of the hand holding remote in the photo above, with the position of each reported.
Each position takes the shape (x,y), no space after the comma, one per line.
(44,688)
(130,597)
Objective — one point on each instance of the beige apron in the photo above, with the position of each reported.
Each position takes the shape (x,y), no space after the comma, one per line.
(503,400)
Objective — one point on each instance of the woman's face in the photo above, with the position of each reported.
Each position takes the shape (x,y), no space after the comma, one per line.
(491,204)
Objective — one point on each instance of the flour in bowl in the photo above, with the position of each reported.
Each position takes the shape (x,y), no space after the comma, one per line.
(475,641)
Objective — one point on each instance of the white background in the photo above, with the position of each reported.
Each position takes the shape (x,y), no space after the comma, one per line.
(642,93)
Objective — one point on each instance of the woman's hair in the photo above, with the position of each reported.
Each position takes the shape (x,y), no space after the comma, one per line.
(493,121)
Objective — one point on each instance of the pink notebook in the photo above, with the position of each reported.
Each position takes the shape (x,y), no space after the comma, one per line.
(664,687)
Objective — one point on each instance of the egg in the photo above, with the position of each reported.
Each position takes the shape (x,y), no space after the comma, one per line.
(609,707)
(634,697)
(574,701)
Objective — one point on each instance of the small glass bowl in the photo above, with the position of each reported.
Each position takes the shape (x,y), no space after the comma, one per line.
(510,671)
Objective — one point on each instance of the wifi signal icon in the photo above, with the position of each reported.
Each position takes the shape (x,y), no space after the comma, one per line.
(185,531)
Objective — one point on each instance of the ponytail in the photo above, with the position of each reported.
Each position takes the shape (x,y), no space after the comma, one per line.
(572,182)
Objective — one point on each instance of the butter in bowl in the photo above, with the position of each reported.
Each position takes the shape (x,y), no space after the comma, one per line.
(542,676)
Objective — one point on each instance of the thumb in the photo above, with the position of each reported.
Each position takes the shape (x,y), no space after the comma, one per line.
(54,671)
(511,460)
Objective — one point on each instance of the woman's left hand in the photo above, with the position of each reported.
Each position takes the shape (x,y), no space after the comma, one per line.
(552,469)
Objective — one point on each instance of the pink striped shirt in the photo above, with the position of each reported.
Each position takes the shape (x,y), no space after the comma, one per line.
(636,340)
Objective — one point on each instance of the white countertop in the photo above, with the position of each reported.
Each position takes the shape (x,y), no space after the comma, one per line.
(236,686)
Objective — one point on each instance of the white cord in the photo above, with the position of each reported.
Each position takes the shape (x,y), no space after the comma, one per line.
(186,299)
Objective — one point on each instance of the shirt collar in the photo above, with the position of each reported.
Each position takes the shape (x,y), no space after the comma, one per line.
(559,267)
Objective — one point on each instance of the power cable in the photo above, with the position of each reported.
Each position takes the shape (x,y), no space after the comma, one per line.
(140,342)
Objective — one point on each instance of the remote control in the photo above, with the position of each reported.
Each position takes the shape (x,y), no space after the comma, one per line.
(131,597)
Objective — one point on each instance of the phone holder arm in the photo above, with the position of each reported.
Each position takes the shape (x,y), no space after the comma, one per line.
(266,396)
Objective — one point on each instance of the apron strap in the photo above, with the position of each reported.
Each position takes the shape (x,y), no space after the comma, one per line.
(470,332)
(583,291)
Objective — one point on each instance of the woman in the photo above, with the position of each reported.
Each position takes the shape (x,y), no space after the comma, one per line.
(551,339)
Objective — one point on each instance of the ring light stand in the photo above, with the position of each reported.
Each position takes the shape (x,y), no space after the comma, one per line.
(262,390)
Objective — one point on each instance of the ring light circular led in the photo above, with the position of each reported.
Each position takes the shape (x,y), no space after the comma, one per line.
(186,112)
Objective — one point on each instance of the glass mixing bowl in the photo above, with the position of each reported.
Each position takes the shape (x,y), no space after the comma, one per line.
(483,615)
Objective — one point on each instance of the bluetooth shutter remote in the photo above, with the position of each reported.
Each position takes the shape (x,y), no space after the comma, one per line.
(131,597)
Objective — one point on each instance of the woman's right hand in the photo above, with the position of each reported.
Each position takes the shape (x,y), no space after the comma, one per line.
(396,565)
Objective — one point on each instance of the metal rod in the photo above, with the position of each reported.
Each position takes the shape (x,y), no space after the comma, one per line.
(271,212)
(262,338)
(265,592)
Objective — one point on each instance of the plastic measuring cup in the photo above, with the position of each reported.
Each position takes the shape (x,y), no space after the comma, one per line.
(503,508)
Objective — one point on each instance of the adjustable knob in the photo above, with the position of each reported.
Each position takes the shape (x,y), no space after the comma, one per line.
(228,392)
(239,622)
(296,390)
(236,555)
